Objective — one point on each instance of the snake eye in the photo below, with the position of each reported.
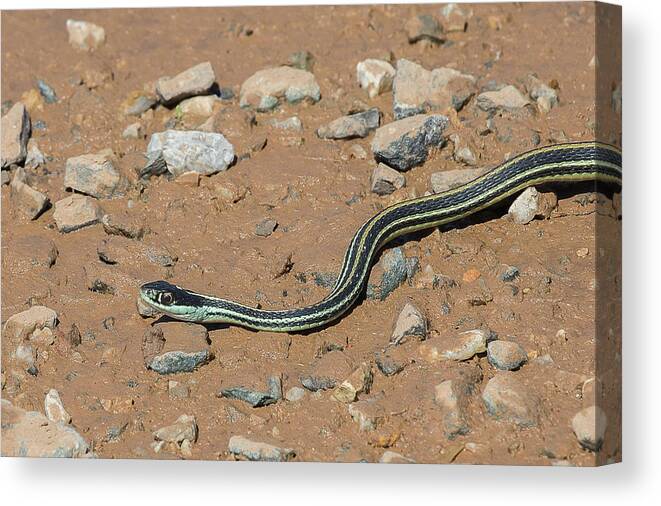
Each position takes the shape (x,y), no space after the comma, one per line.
(166,298)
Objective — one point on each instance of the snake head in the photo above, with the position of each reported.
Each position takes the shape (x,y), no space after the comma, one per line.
(169,299)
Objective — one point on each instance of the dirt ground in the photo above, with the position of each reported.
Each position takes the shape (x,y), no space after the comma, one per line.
(103,381)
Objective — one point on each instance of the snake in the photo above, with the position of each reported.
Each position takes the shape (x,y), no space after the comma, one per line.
(567,162)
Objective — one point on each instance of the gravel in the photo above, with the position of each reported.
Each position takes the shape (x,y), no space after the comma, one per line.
(76,212)
(197,80)
(506,355)
(190,150)
(406,143)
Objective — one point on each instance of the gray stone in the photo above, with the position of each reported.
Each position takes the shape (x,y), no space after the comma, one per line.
(327,371)
(506,355)
(589,426)
(185,151)
(406,143)
(185,428)
(46,91)
(509,274)
(352,126)
(385,180)
(133,131)
(85,35)
(187,347)
(375,76)
(417,90)
(507,398)
(54,408)
(255,398)
(367,413)
(508,98)
(265,227)
(31,434)
(93,174)
(410,323)
(242,447)
(34,158)
(20,326)
(26,355)
(545,96)
(391,271)
(451,397)
(28,201)
(15,126)
(173,362)
(139,103)
(450,179)
(295,394)
(424,27)
(76,212)
(266,88)
(197,80)
(388,365)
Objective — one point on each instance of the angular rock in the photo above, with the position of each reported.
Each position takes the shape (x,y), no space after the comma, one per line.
(388,365)
(508,98)
(385,180)
(125,225)
(34,158)
(524,208)
(85,35)
(462,347)
(265,227)
(15,131)
(46,91)
(31,434)
(185,151)
(28,201)
(242,447)
(359,382)
(507,398)
(327,371)
(76,212)
(455,18)
(393,269)
(173,362)
(266,88)
(184,429)
(352,126)
(198,106)
(424,27)
(410,323)
(451,397)
(545,96)
(21,325)
(197,80)
(253,397)
(375,76)
(450,179)
(509,274)
(406,143)
(176,347)
(589,426)
(133,131)
(417,90)
(506,355)
(93,174)
(368,413)
(138,102)
(54,408)
(26,355)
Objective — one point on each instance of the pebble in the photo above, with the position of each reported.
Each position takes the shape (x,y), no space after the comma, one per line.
(173,362)
(266,88)
(253,397)
(388,365)
(375,76)
(265,227)
(351,126)
(589,426)
(531,203)
(34,158)
(29,202)
(507,398)
(452,396)
(198,106)
(509,274)
(385,180)
(295,394)
(545,96)
(405,143)
(242,447)
(390,457)
(293,123)
(185,151)
(15,126)
(31,434)
(582,252)
(197,80)
(47,92)
(54,408)
(93,174)
(138,103)
(133,131)
(327,371)
(459,348)
(449,179)
(367,413)
(20,326)
(85,35)
(456,19)
(393,269)
(360,381)
(303,60)
(76,212)
(417,90)
(178,390)
(508,98)
(506,355)
(411,322)
(424,27)
(187,347)
(184,429)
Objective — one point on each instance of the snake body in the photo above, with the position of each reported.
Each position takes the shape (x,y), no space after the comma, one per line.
(570,162)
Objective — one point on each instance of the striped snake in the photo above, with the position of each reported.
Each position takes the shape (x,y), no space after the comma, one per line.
(581,161)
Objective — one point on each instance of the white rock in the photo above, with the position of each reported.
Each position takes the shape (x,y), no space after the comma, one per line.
(185,151)
(15,126)
(524,208)
(132,131)
(266,88)
(198,106)
(34,158)
(589,426)
(375,76)
(295,394)
(461,347)
(84,35)
(76,212)
(410,323)
(54,408)
(21,325)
